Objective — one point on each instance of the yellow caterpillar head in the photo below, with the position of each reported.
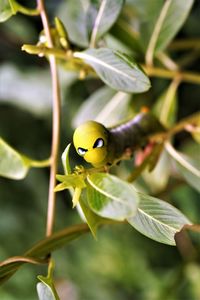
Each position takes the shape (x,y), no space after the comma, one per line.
(90,140)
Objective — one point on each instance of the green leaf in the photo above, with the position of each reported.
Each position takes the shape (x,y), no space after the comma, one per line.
(158,178)
(6,10)
(105,106)
(12,164)
(46,289)
(157,219)
(72,180)
(83,17)
(175,17)
(110,197)
(74,16)
(188,167)
(65,160)
(149,18)
(116,69)
(92,219)
(166,105)
(45,292)
(42,249)
(108,13)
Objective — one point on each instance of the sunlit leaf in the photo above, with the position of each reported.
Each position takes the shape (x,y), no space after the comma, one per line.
(45,292)
(92,219)
(105,106)
(157,219)
(46,289)
(72,180)
(116,69)
(6,10)
(65,160)
(12,164)
(110,197)
(188,167)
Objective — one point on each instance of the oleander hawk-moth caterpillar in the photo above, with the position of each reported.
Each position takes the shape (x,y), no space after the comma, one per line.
(103,146)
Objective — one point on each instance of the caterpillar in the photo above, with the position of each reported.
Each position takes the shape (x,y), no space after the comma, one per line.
(101,146)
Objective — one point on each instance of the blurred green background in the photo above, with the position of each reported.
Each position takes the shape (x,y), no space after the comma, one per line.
(121,264)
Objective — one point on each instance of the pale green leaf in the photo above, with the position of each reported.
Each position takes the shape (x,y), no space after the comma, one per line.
(85,17)
(74,16)
(72,180)
(175,18)
(158,219)
(92,219)
(108,13)
(158,178)
(110,197)
(46,289)
(12,164)
(188,167)
(104,106)
(5,10)
(65,160)
(165,107)
(148,15)
(116,69)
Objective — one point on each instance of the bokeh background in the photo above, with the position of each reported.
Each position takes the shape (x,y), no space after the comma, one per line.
(121,264)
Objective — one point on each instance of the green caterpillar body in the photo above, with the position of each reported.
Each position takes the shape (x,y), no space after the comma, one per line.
(103,146)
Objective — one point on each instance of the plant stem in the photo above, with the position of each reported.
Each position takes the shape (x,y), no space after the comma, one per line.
(55,121)
(184,76)
(184,44)
(17,7)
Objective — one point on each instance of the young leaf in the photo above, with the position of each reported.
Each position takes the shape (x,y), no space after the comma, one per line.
(72,180)
(158,178)
(110,197)
(45,292)
(6,10)
(12,164)
(157,219)
(116,69)
(65,160)
(74,16)
(189,168)
(92,219)
(105,106)
(166,105)
(108,13)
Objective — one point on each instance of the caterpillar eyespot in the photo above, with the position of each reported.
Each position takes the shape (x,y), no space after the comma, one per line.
(81,151)
(98,143)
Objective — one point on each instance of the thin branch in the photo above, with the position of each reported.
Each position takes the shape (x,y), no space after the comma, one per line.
(163,73)
(55,121)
